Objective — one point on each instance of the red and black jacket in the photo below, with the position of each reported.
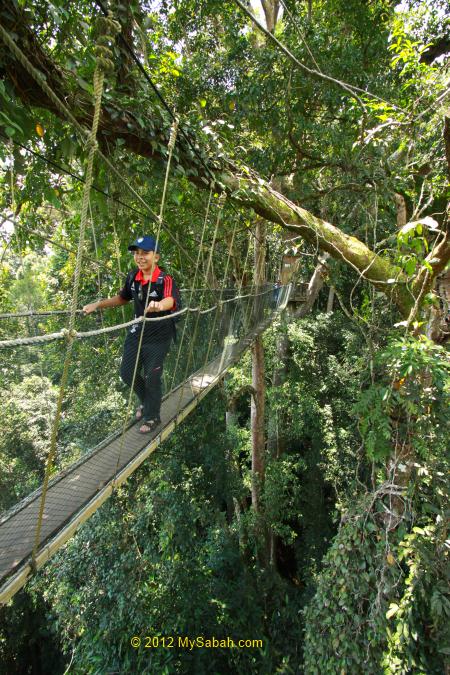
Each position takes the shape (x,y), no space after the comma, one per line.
(162,286)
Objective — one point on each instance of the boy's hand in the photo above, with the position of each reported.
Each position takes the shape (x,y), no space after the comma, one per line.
(154,306)
(91,307)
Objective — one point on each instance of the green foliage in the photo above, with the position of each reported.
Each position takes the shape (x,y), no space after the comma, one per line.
(327,359)
(161,559)
(14,122)
(29,289)
(25,427)
(178,548)
(346,620)
(309,415)
(382,599)
(407,52)
(282,496)
(406,408)
(26,641)
(413,244)
(419,633)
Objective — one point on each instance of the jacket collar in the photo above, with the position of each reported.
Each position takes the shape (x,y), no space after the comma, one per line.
(140,277)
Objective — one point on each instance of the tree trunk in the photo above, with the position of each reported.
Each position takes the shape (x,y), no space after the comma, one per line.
(330,301)
(271,9)
(257,422)
(314,287)
(401,209)
(258,383)
(276,441)
(230,425)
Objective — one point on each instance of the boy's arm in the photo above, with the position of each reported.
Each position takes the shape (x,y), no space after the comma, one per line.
(168,301)
(115,301)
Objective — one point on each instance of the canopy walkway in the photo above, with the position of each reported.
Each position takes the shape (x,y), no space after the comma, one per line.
(75,493)
(75,368)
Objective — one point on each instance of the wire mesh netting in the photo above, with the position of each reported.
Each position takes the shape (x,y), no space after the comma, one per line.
(98,436)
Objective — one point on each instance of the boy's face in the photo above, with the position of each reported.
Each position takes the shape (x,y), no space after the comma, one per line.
(145,260)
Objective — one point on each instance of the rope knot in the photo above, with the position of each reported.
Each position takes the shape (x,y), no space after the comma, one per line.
(104,59)
(91,143)
(221,200)
(69,333)
(173,135)
(106,26)
(106,29)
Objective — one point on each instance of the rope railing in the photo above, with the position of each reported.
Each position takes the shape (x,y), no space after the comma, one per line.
(81,370)
(26,313)
(63,312)
(64,333)
(223,331)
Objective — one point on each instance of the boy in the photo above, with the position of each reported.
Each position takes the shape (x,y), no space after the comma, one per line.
(147,278)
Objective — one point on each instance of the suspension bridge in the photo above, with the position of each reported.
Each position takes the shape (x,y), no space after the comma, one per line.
(214,330)
(75,493)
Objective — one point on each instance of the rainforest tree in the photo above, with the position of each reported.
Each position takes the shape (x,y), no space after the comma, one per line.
(329,135)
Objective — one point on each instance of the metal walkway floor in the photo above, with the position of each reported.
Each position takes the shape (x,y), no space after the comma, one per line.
(75,494)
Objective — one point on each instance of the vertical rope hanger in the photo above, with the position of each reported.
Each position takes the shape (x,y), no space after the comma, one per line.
(241,283)
(251,300)
(99,282)
(16,235)
(199,255)
(231,318)
(31,325)
(194,336)
(107,29)
(13,203)
(112,214)
(11,178)
(220,308)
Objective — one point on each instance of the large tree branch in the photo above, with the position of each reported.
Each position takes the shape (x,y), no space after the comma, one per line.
(437,261)
(275,207)
(439,47)
(246,190)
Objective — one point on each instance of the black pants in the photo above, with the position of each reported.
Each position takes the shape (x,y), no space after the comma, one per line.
(147,386)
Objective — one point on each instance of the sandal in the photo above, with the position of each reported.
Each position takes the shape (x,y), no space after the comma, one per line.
(139,413)
(149,426)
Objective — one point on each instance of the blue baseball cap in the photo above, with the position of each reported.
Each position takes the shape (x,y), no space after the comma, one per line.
(146,243)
